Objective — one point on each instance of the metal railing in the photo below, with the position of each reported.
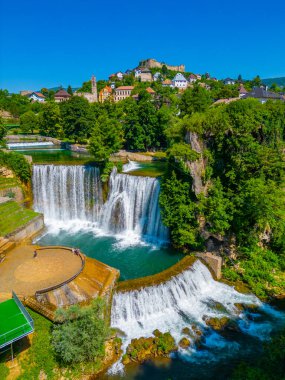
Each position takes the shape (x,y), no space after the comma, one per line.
(50,288)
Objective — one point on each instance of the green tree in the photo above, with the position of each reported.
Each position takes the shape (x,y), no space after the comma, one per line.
(29,122)
(50,120)
(196,99)
(106,138)
(69,90)
(179,209)
(77,119)
(80,333)
(86,87)
(3,130)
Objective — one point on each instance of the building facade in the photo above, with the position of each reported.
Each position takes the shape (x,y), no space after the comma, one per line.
(36,97)
(123,92)
(105,94)
(61,96)
(179,81)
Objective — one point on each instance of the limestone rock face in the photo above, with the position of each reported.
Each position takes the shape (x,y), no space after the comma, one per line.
(5,172)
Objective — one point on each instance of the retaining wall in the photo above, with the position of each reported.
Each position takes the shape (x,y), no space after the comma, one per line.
(30,229)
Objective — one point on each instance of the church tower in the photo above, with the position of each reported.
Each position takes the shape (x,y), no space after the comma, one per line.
(94,89)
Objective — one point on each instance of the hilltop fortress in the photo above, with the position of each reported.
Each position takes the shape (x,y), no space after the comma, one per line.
(153,63)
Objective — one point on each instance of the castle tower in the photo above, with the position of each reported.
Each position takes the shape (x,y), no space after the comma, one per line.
(94,88)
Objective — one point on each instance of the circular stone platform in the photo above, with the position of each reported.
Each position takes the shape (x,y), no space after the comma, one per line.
(24,274)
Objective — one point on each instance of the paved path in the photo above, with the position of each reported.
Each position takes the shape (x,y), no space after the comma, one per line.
(24,274)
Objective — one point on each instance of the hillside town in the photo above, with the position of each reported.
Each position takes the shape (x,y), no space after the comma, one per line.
(151,73)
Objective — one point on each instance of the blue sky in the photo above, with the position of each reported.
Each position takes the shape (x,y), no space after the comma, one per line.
(48,43)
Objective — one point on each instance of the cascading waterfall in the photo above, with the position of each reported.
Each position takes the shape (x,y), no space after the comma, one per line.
(132,207)
(181,301)
(67,193)
(74,193)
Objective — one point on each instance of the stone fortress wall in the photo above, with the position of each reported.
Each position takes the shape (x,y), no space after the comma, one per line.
(153,63)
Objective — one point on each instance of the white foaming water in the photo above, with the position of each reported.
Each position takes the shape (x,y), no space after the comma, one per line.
(29,144)
(131,166)
(70,197)
(66,194)
(132,207)
(175,304)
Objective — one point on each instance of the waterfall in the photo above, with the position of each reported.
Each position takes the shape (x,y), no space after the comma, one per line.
(181,301)
(29,144)
(131,166)
(132,207)
(74,193)
(67,193)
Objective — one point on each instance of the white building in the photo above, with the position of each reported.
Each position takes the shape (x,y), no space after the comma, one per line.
(192,78)
(180,81)
(229,81)
(36,97)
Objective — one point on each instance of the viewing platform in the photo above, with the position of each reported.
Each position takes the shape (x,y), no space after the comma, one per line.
(54,277)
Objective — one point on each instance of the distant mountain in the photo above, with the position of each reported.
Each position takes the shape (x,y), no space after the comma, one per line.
(279,81)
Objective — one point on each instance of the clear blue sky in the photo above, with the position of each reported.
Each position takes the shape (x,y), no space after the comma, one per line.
(53,42)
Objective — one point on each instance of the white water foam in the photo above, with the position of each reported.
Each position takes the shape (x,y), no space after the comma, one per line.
(175,304)
(70,197)
(29,144)
(131,166)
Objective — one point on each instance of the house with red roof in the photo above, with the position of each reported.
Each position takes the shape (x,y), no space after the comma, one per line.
(36,97)
(61,96)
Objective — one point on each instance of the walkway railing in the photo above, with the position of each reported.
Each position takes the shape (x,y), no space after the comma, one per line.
(50,288)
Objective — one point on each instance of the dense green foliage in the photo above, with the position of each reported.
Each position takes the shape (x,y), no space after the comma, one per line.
(39,358)
(270,366)
(29,122)
(17,163)
(81,333)
(3,131)
(243,177)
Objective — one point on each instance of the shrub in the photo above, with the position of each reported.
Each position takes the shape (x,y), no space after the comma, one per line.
(80,333)
(17,163)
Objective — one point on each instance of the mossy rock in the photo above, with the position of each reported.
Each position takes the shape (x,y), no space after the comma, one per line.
(219,307)
(142,349)
(126,359)
(197,330)
(217,323)
(186,331)
(246,307)
(184,343)
(157,333)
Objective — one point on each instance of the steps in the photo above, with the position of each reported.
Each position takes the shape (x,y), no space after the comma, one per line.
(40,308)
(6,245)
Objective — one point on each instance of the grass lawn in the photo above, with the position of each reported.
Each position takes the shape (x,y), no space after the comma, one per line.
(13,216)
(38,359)
(5,183)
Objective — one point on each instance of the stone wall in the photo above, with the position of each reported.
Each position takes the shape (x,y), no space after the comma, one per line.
(153,63)
(20,138)
(29,230)
(214,262)
(16,191)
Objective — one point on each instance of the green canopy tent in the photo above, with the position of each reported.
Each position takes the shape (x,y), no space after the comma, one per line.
(15,322)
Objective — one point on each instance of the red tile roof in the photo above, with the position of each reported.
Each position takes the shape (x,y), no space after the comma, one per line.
(39,94)
(150,90)
(125,88)
(62,94)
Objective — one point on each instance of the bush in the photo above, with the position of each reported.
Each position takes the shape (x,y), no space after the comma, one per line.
(80,333)
(17,163)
